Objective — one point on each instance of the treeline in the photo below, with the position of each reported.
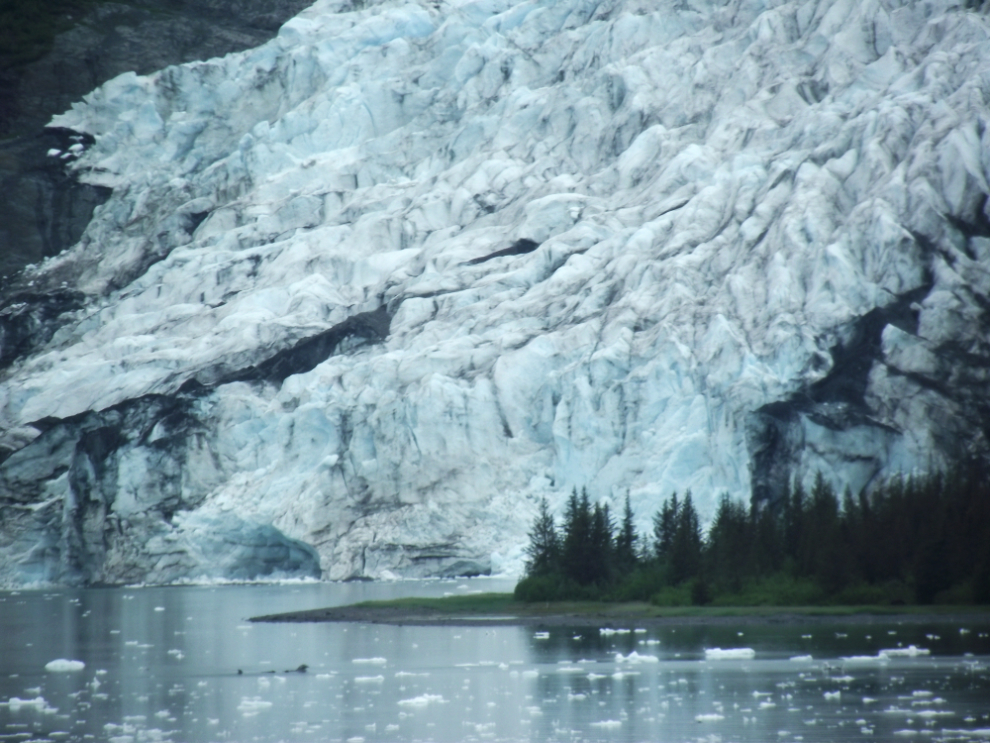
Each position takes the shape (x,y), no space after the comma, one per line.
(911,540)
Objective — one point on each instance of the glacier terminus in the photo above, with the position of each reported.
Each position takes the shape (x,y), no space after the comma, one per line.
(362,295)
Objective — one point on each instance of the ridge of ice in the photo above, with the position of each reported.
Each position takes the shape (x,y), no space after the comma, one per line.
(719,192)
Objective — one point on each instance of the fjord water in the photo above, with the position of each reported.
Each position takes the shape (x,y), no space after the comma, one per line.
(182,664)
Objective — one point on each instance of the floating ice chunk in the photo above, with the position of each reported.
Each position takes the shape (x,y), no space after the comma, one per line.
(880,658)
(607,724)
(53,152)
(530,674)
(253,705)
(61,665)
(608,631)
(635,657)
(802,658)
(833,696)
(369,680)
(911,651)
(159,608)
(729,653)
(15,703)
(176,653)
(370,661)
(541,636)
(422,700)
(710,717)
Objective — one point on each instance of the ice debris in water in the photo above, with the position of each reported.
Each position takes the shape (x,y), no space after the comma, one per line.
(607,724)
(911,651)
(253,705)
(800,658)
(709,717)
(370,661)
(38,702)
(635,657)
(61,665)
(422,701)
(729,653)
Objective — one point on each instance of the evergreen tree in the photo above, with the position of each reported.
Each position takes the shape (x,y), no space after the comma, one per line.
(664,527)
(543,552)
(577,558)
(685,549)
(600,547)
(626,542)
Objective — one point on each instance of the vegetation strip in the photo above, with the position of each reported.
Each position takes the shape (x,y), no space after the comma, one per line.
(921,540)
(500,609)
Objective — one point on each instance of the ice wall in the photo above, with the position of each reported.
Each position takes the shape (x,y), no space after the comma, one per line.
(383,282)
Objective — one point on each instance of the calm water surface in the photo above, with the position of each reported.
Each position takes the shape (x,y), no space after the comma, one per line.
(181,664)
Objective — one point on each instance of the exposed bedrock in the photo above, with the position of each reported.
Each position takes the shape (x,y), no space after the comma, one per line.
(364,294)
(43,211)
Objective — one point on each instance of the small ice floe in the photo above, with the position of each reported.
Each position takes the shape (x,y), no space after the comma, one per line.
(710,717)
(595,676)
(422,700)
(833,696)
(76,148)
(176,653)
(157,608)
(607,724)
(869,700)
(843,679)
(878,658)
(53,152)
(635,658)
(802,658)
(571,697)
(530,674)
(250,706)
(541,635)
(370,661)
(61,665)
(369,680)
(911,651)
(608,631)
(38,702)
(729,653)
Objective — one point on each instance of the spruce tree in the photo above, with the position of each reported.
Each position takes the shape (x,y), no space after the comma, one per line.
(543,552)
(626,542)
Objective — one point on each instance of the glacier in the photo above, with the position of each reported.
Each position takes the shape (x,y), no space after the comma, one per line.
(362,295)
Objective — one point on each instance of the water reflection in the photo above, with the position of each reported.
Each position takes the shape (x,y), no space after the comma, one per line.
(182,664)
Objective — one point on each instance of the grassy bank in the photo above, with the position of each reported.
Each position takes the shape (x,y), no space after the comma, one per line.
(504,605)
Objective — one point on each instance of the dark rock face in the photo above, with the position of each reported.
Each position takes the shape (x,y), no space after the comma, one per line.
(86,494)
(28,321)
(862,422)
(42,211)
